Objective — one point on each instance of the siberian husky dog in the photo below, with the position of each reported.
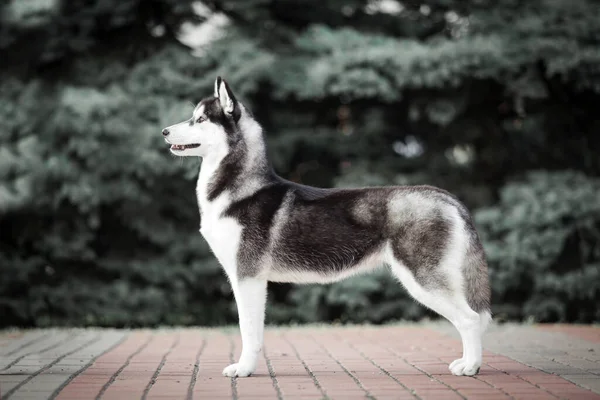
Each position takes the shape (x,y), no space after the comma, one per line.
(264,228)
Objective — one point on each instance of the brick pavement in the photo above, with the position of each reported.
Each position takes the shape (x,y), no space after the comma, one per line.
(405,361)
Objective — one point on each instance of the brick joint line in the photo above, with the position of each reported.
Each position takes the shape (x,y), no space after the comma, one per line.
(79,372)
(394,352)
(306,367)
(508,356)
(350,374)
(157,372)
(190,393)
(26,344)
(517,376)
(492,386)
(48,366)
(572,355)
(114,376)
(234,393)
(434,378)
(272,374)
(497,388)
(60,342)
(489,384)
(525,380)
(587,359)
(381,368)
(553,359)
(477,378)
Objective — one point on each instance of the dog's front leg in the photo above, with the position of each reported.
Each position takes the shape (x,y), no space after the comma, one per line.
(250,296)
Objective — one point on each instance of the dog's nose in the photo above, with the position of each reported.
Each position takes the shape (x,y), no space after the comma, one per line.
(165,132)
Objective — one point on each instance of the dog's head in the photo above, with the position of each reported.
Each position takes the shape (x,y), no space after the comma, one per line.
(212,127)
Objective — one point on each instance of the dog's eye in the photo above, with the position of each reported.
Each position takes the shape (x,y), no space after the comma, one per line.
(200,119)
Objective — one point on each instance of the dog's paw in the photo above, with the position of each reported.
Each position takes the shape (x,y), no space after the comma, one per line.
(462,367)
(237,370)
(455,363)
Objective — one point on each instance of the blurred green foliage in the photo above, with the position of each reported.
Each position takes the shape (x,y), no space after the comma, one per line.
(543,244)
(98,223)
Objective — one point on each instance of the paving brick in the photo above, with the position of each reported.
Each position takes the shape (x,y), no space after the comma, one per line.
(217,354)
(102,369)
(293,377)
(38,380)
(8,382)
(586,332)
(137,373)
(392,362)
(25,359)
(13,342)
(175,376)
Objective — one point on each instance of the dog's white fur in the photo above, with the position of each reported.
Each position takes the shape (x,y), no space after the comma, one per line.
(224,235)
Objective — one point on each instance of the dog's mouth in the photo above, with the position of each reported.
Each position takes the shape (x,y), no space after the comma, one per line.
(181,147)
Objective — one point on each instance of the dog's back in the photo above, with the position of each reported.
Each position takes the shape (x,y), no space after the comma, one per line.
(297,233)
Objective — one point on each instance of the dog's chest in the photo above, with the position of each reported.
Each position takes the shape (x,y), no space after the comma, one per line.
(223,234)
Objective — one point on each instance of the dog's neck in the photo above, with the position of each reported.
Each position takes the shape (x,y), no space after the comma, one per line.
(235,172)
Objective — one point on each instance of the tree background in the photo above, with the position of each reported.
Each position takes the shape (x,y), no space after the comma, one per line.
(495,101)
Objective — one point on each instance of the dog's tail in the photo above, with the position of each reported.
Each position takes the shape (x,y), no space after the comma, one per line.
(475,273)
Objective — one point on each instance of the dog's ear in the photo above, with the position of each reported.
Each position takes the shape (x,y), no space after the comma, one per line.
(217,84)
(226,97)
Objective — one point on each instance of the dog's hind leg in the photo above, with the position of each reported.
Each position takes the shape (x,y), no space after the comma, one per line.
(453,307)
(440,269)
(250,296)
